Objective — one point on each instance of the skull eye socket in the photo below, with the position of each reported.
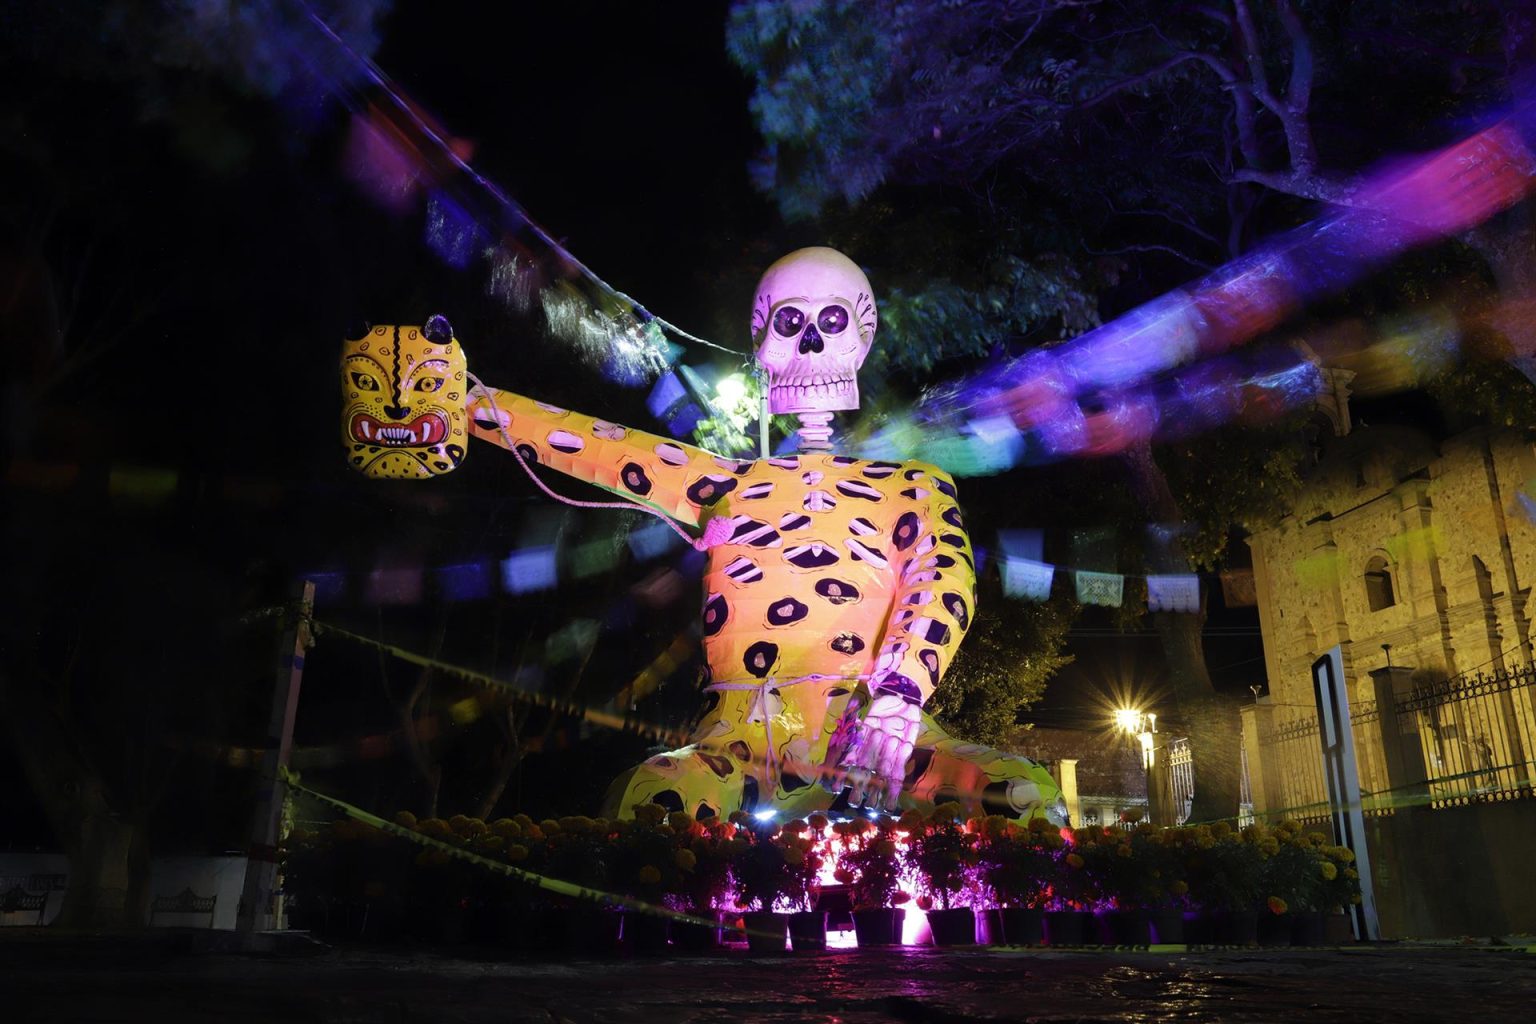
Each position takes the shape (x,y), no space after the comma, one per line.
(364,382)
(788,321)
(833,319)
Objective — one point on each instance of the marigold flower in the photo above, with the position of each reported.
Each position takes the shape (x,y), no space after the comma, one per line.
(681,821)
(899,897)
(1277,905)
(843,875)
(1329,869)
(1179,888)
(649,875)
(685,859)
(405,819)
(817,821)
(794,856)
(1074,861)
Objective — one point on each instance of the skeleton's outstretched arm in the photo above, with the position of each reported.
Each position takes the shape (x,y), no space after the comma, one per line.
(930,612)
(676,479)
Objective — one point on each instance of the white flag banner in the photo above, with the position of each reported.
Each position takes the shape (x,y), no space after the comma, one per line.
(1179,593)
(1102,588)
(1024,577)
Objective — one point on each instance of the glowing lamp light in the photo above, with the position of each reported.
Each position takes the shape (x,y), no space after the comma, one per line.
(1127,720)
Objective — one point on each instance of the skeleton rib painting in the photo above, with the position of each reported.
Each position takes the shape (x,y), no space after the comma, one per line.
(836,590)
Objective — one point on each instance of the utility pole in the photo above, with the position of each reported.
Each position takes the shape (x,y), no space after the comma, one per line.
(258,902)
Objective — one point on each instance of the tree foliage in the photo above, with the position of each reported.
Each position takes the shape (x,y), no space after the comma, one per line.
(1010,653)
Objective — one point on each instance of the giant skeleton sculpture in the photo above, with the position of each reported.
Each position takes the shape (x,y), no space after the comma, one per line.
(837,590)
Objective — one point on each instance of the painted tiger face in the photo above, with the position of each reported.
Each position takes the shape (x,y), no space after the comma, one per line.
(403,401)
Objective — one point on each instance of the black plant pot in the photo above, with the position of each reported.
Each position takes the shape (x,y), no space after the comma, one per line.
(808,931)
(1124,927)
(1275,929)
(765,931)
(955,927)
(645,934)
(590,931)
(696,938)
(1167,926)
(1236,927)
(1200,927)
(1023,926)
(1069,928)
(878,927)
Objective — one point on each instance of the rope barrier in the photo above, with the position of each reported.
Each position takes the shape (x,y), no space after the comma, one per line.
(555,885)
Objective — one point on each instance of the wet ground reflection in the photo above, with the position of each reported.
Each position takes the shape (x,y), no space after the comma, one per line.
(130,983)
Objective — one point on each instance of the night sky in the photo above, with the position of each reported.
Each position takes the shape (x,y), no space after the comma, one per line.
(223,256)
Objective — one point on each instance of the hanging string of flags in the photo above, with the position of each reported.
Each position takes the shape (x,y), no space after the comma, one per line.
(404,161)
(1026,574)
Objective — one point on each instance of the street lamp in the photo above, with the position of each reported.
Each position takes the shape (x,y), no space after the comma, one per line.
(1143,726)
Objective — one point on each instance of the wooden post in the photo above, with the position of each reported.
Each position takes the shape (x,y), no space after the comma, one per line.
(258,907)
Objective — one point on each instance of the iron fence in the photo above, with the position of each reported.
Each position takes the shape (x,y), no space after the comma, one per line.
(1181,769)
(1477,736)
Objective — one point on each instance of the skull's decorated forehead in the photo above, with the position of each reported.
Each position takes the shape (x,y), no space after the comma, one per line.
(813,323)
(403,398)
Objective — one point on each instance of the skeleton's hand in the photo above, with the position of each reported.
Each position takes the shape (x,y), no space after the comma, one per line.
(872,753)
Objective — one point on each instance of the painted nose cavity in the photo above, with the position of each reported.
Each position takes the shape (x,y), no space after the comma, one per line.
(810,341)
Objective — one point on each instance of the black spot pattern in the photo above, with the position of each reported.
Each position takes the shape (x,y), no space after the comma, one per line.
(865,553)
(740,751)
(843,460)
(952,517)
(907,528)
(709,489)
(743,570)
(786,612)
(956,606)
(754,492)
(633,477)
(944,486)
(954,540)
(794,521)
(759,659)
(529,453)
(721,766)
(881,470)
(811,556)
(838,591)
(717,611)
(859,489)
(668,798)
(933,632)
(943,562)
(912,474)
(847,643)
(930,662)
(754,532)
(859,526)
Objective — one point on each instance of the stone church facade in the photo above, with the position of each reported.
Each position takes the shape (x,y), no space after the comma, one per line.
(1417,559)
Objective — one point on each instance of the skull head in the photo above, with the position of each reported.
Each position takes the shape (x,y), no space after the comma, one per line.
(813,324)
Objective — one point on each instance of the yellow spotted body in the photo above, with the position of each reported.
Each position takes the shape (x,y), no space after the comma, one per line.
(833,570)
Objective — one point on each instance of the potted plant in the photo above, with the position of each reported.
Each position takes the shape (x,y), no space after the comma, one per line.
(1122,877)
(1224,877)
(942,848)
(576,853)
(761,875)
(870,866)
(704,859)
(649,866)
(807,924)
(1068,914)
(1015,865)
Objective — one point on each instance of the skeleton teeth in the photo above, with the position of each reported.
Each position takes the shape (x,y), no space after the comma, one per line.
(367,431)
